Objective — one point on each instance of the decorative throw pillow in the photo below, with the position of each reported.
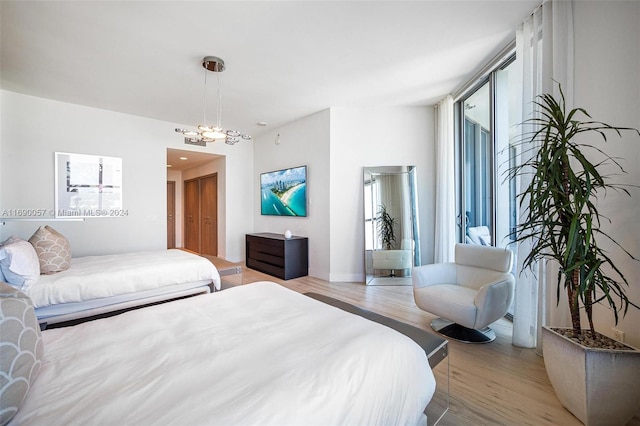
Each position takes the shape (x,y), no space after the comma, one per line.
(2,278)
(53,249)
(21,350)
(19,263)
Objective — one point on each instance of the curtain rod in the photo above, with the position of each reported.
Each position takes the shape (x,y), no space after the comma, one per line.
(506,51)
(491,65)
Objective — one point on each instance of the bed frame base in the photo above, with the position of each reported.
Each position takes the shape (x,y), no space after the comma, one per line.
(73,318)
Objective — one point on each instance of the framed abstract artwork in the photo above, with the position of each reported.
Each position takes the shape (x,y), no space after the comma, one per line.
(88,186)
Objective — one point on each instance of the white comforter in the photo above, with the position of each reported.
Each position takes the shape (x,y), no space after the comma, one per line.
(255,354)
(95,277)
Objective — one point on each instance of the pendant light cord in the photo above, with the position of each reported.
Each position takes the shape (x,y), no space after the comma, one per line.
(219,115)
(204,101)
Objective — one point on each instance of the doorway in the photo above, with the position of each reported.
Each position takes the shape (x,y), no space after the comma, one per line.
(201,214)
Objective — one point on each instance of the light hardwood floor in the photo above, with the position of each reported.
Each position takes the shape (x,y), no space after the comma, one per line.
(491,384)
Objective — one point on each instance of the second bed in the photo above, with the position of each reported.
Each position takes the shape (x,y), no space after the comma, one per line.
(95,285)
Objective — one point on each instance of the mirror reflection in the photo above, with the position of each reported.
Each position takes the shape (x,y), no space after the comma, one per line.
(392,241)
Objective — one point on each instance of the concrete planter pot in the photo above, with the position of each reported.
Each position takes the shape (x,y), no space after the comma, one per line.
(598,386)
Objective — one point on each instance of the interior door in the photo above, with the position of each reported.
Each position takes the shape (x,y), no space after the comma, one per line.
(171,214)
(209,215)
(192,215)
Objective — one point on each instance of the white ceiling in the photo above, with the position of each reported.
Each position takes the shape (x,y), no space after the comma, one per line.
(285,59)
(178,159)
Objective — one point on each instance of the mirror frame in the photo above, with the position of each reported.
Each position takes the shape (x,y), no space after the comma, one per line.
(402,203)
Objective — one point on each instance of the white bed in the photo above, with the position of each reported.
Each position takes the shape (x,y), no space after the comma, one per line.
(97,284)
(253,354)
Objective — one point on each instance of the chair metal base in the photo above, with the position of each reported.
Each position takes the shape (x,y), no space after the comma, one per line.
(462,334)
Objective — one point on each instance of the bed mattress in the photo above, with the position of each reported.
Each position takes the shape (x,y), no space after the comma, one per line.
(252,354)
(99,277)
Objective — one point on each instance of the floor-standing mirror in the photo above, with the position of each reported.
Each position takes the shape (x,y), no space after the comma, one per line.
(392,239)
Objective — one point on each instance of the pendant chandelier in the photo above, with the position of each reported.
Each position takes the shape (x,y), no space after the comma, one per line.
(211,133)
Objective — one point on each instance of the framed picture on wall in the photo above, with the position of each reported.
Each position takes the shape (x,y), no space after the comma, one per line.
(88,186)
(284,192)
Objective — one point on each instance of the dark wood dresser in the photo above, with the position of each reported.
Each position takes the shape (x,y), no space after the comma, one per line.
(276,255)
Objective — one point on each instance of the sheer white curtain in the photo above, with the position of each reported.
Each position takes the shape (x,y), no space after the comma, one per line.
(544,54)
(406,230)
(445,231)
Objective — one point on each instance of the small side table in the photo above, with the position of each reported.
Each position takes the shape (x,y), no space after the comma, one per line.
(230,277)
(439,404)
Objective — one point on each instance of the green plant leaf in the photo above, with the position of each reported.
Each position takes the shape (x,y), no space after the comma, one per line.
(561,218)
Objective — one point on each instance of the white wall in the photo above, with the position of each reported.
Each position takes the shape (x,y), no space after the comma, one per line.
(336,144)
(365,137)
(607,63)
(238,180)
(303,142)
(34,128)
(334,154)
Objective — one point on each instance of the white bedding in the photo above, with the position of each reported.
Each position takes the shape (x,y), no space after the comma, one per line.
(95,277)
(253,354)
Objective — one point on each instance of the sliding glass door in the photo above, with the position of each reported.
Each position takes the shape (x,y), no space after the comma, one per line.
(487,205)
(486,120)
(477,194)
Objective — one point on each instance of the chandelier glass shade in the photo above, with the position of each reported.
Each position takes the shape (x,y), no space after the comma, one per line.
(212,133)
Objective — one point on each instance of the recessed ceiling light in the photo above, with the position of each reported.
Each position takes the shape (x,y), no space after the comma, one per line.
(261,123)
(183,158)
(169,165)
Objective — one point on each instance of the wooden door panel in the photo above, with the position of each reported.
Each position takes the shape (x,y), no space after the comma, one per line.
(209,215)
(171,214)
(192,215)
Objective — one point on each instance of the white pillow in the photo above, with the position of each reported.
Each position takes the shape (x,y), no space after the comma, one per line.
(19,263)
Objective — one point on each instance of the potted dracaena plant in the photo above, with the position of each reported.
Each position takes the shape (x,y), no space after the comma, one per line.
(386,225)
(595,377)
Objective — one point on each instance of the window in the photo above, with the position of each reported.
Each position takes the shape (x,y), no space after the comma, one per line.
(369,215)
(486,121)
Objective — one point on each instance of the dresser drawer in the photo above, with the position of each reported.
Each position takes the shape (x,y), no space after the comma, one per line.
(257,246)
(275,255)
(267,268)
(266,257)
